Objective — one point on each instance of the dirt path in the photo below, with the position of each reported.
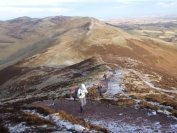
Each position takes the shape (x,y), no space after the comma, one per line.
(115,118)
(91,26)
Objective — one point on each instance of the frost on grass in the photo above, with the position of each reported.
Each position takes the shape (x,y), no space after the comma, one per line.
(114,85)
(68,125)
(19,128)
(65,125)
(145,126)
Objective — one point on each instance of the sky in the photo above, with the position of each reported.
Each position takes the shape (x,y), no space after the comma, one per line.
(100,9)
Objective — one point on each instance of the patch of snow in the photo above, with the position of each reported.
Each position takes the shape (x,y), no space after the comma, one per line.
(153,112)
(44,126)
(157,104)
(138,124)
(120,113)
(174,125)
(119,126)
(51,104)
(19,128)
(70,99)
(164,112)
(59,122)
(137,101)
(146,80)
(114,85)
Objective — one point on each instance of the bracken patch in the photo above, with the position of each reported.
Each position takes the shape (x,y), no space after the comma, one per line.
(120,102)
(80,121)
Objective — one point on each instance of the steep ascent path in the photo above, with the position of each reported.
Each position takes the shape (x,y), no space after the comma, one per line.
(91,26)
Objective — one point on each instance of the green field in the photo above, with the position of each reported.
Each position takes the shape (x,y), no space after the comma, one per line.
(168,34)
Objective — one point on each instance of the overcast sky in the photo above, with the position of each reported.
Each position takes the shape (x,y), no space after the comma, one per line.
(101,9)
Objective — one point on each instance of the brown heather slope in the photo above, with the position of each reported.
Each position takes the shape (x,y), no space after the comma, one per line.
(22,27)
(77,39)
(45,66)
(42,40)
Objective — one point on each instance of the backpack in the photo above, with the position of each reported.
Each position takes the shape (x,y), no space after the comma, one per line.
(77,92)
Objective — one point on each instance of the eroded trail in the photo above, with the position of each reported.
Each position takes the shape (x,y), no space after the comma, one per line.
(116,118)
(91,26)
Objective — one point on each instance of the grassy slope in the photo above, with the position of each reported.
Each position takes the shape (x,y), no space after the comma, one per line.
(41,41)
(67,43)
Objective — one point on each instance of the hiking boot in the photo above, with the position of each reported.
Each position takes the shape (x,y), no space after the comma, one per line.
(81,108)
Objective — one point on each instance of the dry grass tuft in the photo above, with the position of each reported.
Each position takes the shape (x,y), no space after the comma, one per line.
(34,119)
(62,114)
(145,104)
(174,112)
(80,121)
(160,98)
(120,95)
(93,91)
(42,110)
(120,102)
(30,119)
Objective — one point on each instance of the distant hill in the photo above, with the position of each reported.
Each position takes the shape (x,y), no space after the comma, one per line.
(22,27)
(79,38)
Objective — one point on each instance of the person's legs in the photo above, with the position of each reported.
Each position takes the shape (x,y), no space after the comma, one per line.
(81,108)
(84,101)
(81,105)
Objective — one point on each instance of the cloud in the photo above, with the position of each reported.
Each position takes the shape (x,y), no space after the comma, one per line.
(121,7)
(167,5)
(127,1)
(40,2)
(15,10)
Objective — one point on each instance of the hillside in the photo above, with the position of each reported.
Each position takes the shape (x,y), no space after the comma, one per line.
(15,30)
(38,72)
(77,39)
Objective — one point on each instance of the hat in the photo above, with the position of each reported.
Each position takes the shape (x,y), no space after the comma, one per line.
(83,86)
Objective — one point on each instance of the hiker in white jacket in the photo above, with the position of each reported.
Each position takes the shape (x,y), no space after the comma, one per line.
(82,91)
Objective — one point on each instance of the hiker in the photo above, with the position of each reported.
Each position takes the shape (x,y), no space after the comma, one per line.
(105,76)
(82,91)
(75,93)
(99,87)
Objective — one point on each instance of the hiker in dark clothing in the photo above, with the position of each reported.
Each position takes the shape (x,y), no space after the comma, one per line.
(105,76)
(99,87)
(75,93)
